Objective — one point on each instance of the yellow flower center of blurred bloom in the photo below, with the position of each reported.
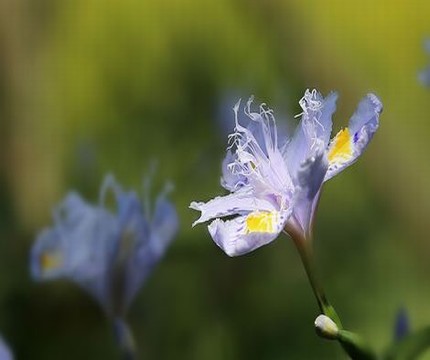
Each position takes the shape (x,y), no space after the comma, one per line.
(264,222)
(341,148)
(49,261)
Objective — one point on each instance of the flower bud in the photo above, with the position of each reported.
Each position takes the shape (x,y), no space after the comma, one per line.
(326,327)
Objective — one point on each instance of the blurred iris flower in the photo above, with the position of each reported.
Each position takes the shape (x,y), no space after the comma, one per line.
(401,325)
(424,75)
(109,254)
(275,181)
(5,352)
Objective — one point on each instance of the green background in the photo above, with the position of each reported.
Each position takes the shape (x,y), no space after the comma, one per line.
(89,87)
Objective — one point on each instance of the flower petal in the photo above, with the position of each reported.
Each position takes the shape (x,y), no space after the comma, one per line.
(229,180)
(367,113)
(78,246)
(148,251)
(310,179)
(236,203)
(246,233)
(5,352)
(424,76)
(351,142)
(316,123)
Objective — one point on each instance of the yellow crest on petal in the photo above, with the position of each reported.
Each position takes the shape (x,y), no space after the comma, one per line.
(262,222)
(341,147)
(50,261)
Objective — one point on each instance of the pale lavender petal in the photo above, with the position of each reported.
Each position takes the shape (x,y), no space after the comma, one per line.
(236,203)
(316,124)
(133,232)
(78,246)
(367,114)
(324,117)
(362,127)
(257,156)
(164,225)
(297,150)
(229,180)
(5,352)
(107,254)
(424,77)
(148,251)
(427,45)
(310,179)
(231,235)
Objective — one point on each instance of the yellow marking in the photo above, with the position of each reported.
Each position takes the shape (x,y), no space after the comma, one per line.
(264,222)
(50,261)
(341,147)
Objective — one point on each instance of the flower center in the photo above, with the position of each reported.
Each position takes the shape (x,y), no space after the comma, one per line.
(341,148)
(49,261)
(263,222)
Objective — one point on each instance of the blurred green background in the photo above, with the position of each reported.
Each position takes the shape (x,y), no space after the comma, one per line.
(89,87)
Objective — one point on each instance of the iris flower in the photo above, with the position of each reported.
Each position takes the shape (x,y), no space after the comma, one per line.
(108,253)
(424,75)
(275,181)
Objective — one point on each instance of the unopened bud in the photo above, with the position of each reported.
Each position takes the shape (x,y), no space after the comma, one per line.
(326,327)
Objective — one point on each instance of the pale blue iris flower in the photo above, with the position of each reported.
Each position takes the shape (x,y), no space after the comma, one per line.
(275,181)
(108,253)
(424,75)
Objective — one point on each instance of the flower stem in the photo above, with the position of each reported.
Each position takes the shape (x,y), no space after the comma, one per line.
(125,339)
(306,255)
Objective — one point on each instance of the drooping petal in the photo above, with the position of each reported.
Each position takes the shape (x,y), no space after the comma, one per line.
(350,143)
(78,246)
(316,124)
(235,203)
(46,260)
(309,179)
(246,233)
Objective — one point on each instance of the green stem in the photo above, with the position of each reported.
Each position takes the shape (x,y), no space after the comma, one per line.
(125,339)
(306,254)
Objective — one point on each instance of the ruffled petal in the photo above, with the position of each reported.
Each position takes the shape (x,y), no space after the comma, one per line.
(236,203)
(316,124)
(246,233)
(257,157)
(323,117)
(350,143)
(230,180)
